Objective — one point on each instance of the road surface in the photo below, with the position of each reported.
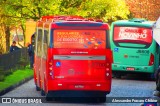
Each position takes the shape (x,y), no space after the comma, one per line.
(120,88)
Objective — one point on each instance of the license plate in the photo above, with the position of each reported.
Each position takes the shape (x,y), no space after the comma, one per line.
(79,86)
(130,69)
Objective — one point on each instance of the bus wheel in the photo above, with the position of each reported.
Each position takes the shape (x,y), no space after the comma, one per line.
(158,84)
(37,88)
(152,77)
(42,92)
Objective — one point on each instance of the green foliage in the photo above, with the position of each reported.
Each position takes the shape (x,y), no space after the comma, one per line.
(2,77)
(34,9)
(22,63)
(4,73)
(16,12)
(15,78)
(108,10)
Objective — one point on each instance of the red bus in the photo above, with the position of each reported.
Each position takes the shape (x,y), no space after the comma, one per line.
(72,58)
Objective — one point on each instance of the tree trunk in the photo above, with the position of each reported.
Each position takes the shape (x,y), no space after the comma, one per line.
(7,36)
(24,36)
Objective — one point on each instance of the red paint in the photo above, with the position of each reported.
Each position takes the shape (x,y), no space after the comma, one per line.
(52,74)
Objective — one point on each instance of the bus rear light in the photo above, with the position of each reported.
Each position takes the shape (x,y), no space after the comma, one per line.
(51,73)
(50,68)
(151,60)
(50,63)
(107,69)
(107,74)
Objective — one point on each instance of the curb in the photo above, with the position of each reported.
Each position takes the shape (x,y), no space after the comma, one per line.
(15,86)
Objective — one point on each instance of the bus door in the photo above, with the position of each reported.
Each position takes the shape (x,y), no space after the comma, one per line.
(38,54)
(132,46)
(44,59)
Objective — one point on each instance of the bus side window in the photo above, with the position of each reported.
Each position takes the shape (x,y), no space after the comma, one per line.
(35,50)
(108,39)
(45,43)
(39,43)
(157,48)
(36,43)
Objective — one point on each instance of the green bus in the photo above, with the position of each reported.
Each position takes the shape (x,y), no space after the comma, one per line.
(134,49)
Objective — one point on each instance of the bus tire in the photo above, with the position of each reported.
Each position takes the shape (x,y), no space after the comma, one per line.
(158,84)
(42,92)
(152,77)
(37,88)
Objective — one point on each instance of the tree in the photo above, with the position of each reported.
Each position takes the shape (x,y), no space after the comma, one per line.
(16,12)
(108,10)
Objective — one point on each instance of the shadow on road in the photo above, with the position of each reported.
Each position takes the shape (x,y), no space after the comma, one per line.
(137,76)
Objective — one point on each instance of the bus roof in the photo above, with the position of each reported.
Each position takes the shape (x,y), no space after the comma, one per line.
(70,22)
(134,22)
(79,24)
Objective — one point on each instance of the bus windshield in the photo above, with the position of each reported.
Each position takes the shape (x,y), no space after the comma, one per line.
(82,39)
(133,35)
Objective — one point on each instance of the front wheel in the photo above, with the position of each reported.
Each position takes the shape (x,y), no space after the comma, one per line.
(37,88)
(43,93)
(158,84)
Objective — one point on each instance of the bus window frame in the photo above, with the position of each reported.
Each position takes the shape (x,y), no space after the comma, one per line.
(107,38)
(39,43)
(117,43)
(36,41)
(108,44)
(45,43)
(36,34)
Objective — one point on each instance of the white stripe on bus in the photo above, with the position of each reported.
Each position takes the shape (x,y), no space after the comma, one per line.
(71,57)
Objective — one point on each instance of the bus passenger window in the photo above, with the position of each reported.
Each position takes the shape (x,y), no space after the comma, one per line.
(45,42)
(39,44)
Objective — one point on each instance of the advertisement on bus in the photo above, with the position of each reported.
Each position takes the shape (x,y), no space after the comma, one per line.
(132,34)
(89,39)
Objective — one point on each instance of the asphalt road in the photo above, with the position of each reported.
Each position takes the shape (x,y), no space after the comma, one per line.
(125,87)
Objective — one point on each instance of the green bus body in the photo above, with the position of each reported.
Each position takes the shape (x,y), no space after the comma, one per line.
(133,55)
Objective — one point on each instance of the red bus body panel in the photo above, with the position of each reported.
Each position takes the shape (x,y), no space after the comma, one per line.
(73,69)
(87,74)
